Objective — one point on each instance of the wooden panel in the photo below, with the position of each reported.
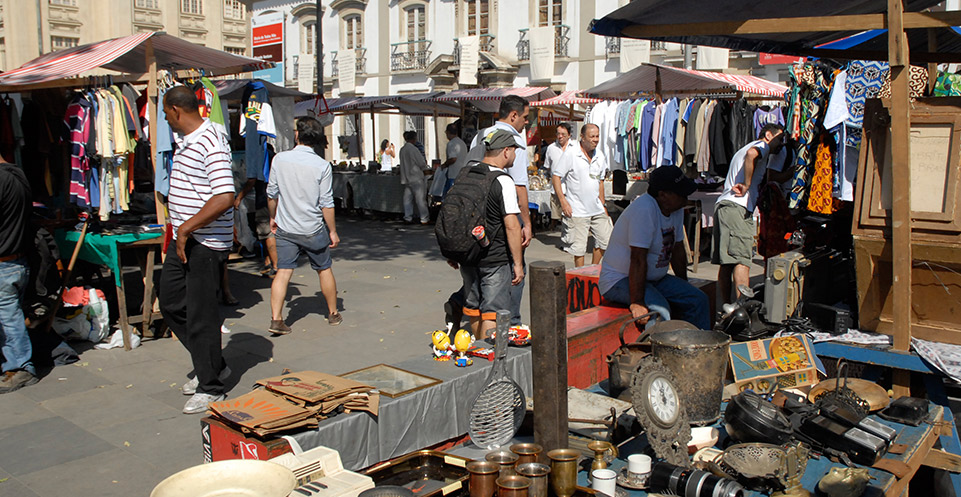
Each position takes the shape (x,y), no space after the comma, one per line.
(935,287)
(591,337)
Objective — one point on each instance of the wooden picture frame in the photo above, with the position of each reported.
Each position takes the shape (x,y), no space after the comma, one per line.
(391,381)
(936,171)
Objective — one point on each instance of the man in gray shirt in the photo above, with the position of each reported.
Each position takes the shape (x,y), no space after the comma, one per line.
(301,203)
(412,165)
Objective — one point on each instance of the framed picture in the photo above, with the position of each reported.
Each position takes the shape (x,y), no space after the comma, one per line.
(391,381)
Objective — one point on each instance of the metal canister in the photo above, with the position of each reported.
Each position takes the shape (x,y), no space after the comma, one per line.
(483,478)
(563,476)
(506,459)
(526,452)
(698,359)
(513,486)
(537,473)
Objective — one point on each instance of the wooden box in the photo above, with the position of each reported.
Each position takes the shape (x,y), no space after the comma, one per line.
(935,288)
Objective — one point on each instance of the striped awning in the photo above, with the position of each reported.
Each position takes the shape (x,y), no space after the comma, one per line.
(489,94)
(680,81)
(744,83)
(568,97)
(128,55)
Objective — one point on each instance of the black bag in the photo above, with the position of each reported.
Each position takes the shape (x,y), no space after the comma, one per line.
(464,208)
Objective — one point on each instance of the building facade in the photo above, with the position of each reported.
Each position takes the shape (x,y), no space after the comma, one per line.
(29,28)
(412,46)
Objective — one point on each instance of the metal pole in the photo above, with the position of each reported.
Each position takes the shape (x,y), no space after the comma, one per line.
(319,25)
(549,353)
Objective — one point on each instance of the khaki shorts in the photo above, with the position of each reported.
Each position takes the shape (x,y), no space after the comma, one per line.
(575,231)
(733,234)
(556,213)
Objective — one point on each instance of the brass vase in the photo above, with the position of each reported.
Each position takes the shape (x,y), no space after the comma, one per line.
(600,449)
(512,486)
(527,452)
(506,459)
(563,476)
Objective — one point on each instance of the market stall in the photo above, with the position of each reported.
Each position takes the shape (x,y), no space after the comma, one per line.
(108,165)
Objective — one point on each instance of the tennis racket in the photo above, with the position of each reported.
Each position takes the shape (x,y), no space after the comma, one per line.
(498,411)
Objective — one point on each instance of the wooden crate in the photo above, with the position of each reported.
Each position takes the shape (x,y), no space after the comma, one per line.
(935,288)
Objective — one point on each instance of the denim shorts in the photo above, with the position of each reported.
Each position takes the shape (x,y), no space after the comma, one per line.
(486,290)
(316,246)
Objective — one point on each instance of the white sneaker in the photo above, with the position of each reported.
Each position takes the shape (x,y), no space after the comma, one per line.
(190,387)
(198,403)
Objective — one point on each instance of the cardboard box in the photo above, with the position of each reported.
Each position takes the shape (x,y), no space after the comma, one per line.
(788,361)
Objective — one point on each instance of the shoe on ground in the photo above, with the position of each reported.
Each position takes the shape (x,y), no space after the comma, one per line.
(11,381)
(268,272)
(190,387)
(278,327)
(199,402)
(335,319)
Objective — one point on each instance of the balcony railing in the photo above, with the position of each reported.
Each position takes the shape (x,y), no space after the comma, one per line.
(562,39)
(360,56)
(486,45)
(658,45)
(409,55)
(612,46)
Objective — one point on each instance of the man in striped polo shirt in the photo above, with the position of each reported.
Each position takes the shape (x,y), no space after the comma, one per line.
(200,201)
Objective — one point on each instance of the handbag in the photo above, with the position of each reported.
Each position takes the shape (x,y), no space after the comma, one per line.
(622,364)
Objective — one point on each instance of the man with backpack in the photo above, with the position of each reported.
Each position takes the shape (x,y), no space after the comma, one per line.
(479,233)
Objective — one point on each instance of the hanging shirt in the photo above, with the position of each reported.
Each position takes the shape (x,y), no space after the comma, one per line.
(647,129)
(762,117)
(256,125)
(666,147)
(77,119)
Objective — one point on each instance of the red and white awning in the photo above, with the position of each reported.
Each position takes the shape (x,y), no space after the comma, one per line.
(128,55)
(744,83)
(568,97)
(489,94)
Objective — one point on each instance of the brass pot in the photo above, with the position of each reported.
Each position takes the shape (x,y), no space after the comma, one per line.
(506,459)
(512,486)
(483,478)
(563,471)
(527,453)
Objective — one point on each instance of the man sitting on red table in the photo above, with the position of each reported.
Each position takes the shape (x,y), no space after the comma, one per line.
(647,237)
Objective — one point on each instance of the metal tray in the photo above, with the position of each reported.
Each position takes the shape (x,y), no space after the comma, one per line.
(430,473)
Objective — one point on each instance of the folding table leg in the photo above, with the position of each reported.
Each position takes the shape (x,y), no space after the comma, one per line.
(122,307)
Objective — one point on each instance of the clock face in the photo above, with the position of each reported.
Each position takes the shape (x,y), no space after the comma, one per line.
(663,400)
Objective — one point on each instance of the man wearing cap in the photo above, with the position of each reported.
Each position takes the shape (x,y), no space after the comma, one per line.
(648,237)
(487,285)
(733,244)
(578,183)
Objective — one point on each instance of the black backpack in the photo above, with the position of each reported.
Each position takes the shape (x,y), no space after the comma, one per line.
(464,208)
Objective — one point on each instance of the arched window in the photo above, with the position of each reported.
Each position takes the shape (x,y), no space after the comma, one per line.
(478,17)
(353,32)
(416,26)
(550,12)
(309,32)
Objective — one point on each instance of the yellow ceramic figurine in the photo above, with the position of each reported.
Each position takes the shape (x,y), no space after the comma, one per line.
(463,341)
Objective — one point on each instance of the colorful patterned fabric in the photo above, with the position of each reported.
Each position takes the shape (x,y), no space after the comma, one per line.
(917,84)
(821,199)
(814,89)
(77,119)
(948,85)
(864,81)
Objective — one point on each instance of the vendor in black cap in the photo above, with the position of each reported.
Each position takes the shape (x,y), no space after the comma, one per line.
(648,237)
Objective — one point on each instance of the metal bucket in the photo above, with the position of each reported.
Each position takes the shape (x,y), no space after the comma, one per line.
(698,359)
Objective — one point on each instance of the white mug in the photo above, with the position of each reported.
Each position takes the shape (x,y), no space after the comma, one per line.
(639,464)
(605,481)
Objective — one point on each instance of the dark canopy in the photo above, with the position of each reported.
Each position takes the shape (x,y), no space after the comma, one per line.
(669,12)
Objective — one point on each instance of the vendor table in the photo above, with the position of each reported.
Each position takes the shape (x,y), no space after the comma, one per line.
(422,418)
(542,198)
(105,250)
(919,441)
(876,360)
(378,192)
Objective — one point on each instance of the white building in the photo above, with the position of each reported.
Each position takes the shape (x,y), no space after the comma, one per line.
(411,46)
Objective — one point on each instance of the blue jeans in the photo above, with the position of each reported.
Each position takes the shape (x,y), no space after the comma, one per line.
(17,350)
(665,294)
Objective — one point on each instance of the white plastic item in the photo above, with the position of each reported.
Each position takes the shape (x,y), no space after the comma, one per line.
(116,340)
(320,472)
(99,314)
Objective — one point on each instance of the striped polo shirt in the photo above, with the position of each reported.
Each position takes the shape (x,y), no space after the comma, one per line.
(201,169)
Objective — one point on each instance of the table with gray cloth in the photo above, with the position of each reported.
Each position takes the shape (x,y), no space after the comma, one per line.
(340,181)
(379,192)
(417,420)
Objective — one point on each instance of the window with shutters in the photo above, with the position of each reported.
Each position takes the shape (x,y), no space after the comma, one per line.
(478,17)
(550,12)
(192,7)
(62,42)
(353,32)
(233,9)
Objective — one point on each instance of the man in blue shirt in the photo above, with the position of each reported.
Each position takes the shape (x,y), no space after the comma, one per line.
(301,203)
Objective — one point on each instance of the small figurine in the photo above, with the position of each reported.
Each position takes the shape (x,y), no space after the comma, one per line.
(463,340)
(441,345)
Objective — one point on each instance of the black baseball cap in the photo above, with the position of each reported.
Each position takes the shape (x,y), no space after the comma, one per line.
(671,179)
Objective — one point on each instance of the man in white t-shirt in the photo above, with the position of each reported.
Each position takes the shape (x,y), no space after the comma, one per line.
(456,156)
(733,240)
(647,238)
(552,156)
(578,182)
(512,117)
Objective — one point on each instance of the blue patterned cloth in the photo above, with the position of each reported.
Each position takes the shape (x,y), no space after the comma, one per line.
(864,80)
